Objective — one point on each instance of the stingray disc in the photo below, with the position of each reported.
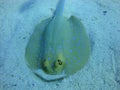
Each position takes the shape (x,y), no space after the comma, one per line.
(57,47)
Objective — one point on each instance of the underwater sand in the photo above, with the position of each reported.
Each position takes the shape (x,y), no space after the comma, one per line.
(102,22)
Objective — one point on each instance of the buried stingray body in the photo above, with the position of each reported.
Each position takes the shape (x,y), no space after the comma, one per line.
(58,46)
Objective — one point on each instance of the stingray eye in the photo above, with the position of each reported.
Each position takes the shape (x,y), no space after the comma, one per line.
(60,62)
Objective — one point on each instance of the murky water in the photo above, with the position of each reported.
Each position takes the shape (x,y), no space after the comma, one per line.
(101,20)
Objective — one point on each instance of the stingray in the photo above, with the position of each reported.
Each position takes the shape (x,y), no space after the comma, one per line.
(58,47)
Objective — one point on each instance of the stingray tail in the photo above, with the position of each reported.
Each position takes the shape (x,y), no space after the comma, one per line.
(59,9)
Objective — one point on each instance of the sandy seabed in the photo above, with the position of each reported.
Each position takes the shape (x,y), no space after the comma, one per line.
(101,19)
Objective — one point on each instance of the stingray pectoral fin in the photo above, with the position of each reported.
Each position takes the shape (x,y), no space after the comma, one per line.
(40,73)
(79,45)
(33,48)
